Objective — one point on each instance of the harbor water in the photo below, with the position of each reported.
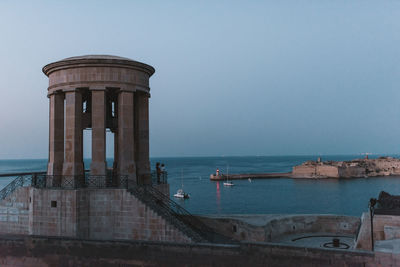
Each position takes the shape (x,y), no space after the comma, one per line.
(257,196)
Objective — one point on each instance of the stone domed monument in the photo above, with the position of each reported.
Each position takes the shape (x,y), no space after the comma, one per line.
(99,92)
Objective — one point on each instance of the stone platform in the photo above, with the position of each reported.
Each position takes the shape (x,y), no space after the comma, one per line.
(101,214)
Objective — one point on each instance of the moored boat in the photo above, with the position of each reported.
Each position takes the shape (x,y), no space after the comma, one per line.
(181,194)
(227,183)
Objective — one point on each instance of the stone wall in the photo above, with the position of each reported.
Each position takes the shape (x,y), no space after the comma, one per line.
(163,188)
(352,171)
(388,166)
(386,227)
(348,169)
(315,171)
(299,224)
(14,212)
(53,212)
(327,171)
(42,251)
(304,171)
(271,228)
(85,213)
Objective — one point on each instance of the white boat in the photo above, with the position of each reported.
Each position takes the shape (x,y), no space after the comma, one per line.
(228,183)
(181,194)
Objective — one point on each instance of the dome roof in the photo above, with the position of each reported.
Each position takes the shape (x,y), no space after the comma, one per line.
(97,57)
(96,60)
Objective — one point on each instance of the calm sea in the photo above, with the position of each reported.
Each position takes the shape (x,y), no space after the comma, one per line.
(268,196)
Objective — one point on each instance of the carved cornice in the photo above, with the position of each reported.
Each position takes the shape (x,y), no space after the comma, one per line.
(97,61)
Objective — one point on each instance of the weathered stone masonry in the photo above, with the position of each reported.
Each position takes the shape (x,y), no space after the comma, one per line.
(85,213)
(99,92)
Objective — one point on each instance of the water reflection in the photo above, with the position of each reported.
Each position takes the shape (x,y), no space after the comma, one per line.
(218,199)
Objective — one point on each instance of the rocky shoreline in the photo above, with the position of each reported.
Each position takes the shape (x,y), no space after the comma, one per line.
(357,168)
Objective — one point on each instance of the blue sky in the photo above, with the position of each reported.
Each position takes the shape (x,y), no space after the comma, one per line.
(232,77)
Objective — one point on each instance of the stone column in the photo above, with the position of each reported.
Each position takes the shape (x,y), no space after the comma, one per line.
(73,162)
(126,160)
(115,163)
(56,134)
(142,138)
(98,165)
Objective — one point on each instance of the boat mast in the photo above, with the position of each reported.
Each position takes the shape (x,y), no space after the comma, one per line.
(227,172)
(182,178)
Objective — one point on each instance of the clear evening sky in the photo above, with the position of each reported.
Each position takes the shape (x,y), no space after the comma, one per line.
(232,77)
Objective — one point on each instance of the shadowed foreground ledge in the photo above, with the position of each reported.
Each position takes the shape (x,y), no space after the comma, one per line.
(18,250)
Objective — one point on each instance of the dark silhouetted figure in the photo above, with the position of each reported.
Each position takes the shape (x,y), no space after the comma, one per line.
(158,170)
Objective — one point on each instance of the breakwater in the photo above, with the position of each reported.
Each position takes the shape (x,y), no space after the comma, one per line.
(223,177)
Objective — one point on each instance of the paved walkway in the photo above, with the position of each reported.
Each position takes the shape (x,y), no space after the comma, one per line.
(318,240)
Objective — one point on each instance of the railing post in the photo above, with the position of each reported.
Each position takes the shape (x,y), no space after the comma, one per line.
(372,203)
(34,179)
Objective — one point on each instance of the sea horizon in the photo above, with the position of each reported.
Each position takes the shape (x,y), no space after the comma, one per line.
(259,196)
(238,156)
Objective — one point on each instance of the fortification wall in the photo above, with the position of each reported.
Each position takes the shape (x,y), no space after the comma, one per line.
(271,228)
(327,171)
(300,224)
(41,251)
(304,171)
(352,171)
(388,167)
(315,171)
(348,169)
(86,213)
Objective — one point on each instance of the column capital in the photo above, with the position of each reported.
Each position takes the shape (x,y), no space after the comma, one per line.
(142,93)
(57,92)
(142,88)
(72,89)
(97,88)
(122,90)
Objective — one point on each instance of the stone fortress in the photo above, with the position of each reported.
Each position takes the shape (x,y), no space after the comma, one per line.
(383,166)
(121,216)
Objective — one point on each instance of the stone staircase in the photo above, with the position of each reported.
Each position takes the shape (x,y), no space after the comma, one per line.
(177,215)
(161,204)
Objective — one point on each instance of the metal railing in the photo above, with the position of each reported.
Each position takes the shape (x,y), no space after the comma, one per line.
(41,180)
(177,215)
(80,181)
(21,180)
(159,178)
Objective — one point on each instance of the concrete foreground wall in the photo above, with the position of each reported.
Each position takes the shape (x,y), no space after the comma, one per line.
(42,251)
(84,213)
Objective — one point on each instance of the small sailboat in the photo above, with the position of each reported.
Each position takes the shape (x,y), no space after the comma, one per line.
(228,183)
(180,193)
